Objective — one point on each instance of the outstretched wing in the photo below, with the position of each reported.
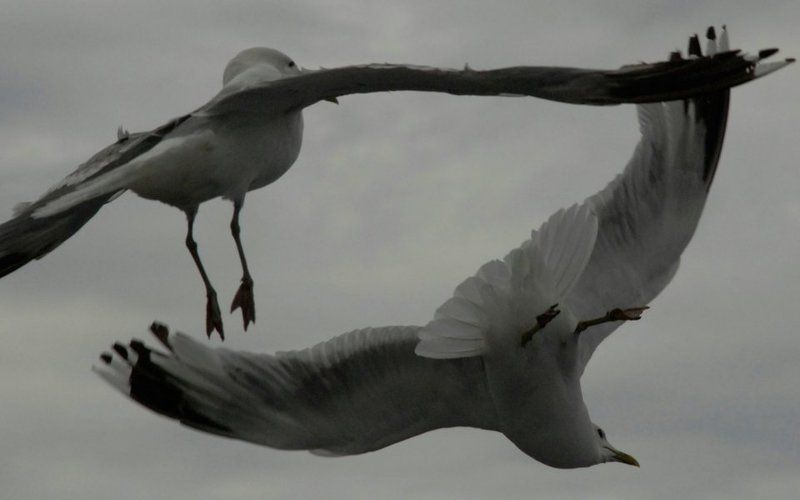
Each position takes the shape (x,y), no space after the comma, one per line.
(648,214)
(127,147)
(28,236)
(358,392)
(676,78)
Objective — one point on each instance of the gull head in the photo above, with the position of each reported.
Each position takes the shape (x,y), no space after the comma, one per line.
(608,453)
(258,64)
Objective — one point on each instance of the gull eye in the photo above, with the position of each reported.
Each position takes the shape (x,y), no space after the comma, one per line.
(292,64)
(601,433)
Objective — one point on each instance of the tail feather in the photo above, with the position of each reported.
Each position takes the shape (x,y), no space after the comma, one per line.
(25,238)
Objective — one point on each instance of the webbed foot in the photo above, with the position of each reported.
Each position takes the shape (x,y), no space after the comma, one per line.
(213,316)
(541,321)
(244,300)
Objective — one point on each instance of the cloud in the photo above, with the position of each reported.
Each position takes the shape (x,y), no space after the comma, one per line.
(394,200)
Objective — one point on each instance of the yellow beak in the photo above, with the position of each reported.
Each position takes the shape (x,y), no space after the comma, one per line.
(625,458)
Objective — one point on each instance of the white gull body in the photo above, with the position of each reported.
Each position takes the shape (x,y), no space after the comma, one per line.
(204,156)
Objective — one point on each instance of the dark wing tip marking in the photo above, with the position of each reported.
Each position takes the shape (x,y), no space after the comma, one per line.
(712,111)
(711,34)
(121,350)
(161,332)
(694,46)
(765,53)
(140,349)
(106,358)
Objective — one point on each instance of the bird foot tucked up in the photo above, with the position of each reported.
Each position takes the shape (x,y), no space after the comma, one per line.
(632,314)
(213,316)
(541,321)
(244,300)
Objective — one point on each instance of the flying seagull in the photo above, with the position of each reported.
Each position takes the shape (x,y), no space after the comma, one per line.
(505,353)
(250,133)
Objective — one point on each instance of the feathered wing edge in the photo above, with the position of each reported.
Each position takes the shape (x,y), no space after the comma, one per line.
(28,236)
(544,268)
(642,222)
(25,238)
(355,393)
(649,213)
(676,78)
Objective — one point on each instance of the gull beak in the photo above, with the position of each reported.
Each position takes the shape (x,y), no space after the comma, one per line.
(332,99)
(625,458)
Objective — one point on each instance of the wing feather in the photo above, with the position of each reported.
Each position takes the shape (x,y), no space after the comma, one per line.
(619,248)
(676,78)
(649,213)
(26,236)
(358,392)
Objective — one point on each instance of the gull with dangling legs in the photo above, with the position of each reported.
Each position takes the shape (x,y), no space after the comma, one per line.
(250,133)
(583,273)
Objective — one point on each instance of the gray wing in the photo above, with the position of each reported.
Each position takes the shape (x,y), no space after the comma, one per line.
(676,78)
(128,147)
(649,213)
(358,392)
(25,237)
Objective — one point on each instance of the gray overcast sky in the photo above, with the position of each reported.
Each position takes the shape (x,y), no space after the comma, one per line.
(393,201)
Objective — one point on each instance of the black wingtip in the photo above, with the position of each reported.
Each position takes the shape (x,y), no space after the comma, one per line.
(106,358)
(139,347)
(675,56)
(765,53)
(694,46)
(121,350)
(161,332)
(711,34)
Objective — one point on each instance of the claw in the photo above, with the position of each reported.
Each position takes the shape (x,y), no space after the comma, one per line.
(541,321)
(213,317)
(632,314)
(244,300)
(546,317)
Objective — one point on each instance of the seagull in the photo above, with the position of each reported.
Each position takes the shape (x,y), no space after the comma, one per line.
(506,352)
(250,133)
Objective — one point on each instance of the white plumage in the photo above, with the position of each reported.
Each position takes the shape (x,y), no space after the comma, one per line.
(373,387)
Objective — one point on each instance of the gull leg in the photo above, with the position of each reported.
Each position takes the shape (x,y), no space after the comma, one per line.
(213,316)
(541,321)
(244,296)
(632,314)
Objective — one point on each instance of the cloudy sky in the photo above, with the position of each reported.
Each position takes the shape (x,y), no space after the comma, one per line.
(393,201)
